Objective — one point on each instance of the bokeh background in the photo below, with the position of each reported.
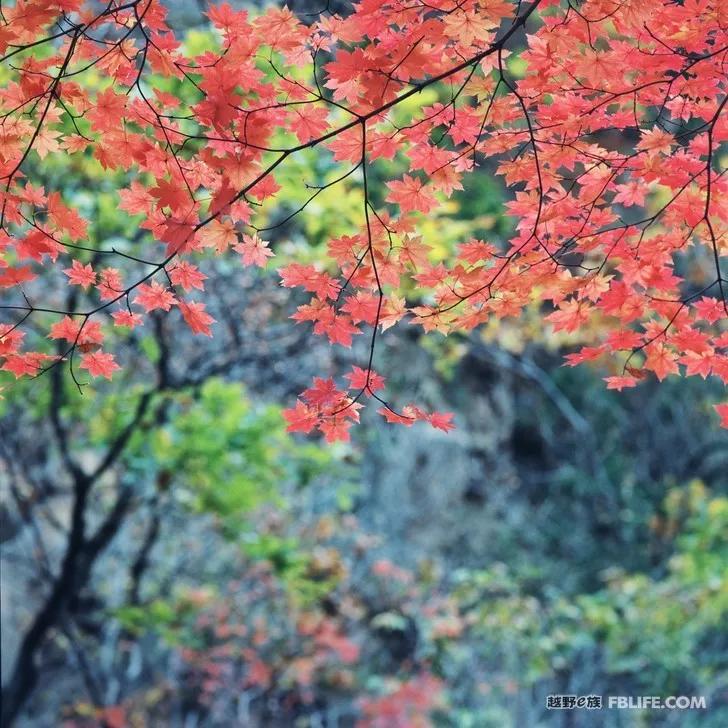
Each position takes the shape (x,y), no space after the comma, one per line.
(564,539)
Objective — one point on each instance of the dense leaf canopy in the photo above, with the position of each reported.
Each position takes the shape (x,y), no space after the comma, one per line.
(607,129)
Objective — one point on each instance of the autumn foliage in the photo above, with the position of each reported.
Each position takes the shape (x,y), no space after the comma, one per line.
(609,141)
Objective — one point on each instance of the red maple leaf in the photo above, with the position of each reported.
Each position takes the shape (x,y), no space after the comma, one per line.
(11,277)
(196,317)
(364,379)
(620,382)
(172,194)
(126,318)
(99,364)
(323,393)
(188,276)
(442,421)
(80,275)
(154,296)
(411,194)
(253,250)
(301,418)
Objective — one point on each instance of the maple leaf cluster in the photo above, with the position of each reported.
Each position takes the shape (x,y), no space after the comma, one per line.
(610,143)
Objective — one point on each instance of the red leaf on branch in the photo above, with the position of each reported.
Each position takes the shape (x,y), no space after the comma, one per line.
(196,317)
(80,275)
(154,296)
(99,364)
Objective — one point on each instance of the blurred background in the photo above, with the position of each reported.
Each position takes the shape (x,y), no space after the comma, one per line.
(564,539)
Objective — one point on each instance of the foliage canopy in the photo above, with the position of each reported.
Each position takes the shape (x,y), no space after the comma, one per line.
(608,132)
